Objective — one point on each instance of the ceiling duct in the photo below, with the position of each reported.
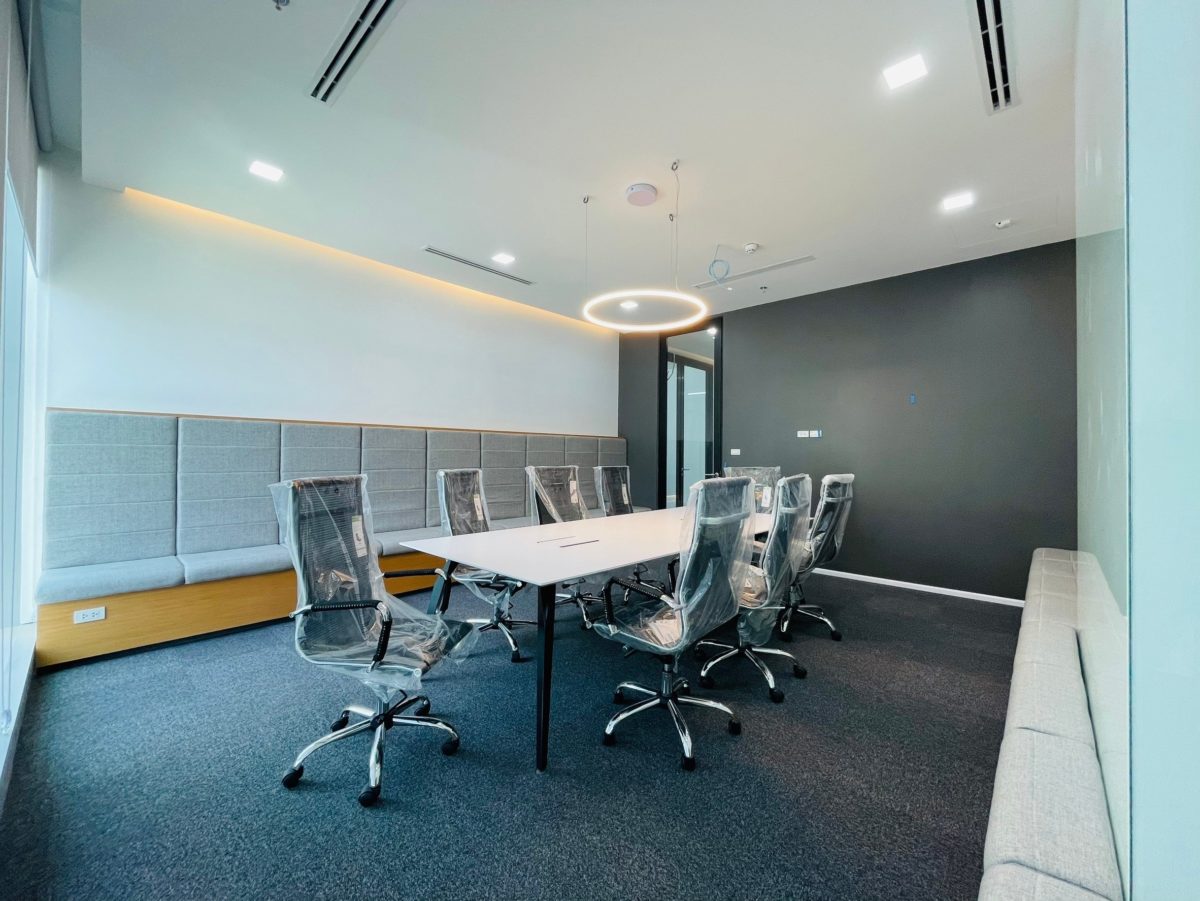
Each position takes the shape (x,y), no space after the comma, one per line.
(750,273)
(355,41)
(997,68)
(446,255)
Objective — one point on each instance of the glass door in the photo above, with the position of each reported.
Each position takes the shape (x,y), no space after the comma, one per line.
(690,411)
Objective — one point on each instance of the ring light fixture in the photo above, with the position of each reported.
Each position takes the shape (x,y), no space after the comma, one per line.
(701,310)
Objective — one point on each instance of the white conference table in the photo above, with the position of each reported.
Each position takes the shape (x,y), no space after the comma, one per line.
(545,556)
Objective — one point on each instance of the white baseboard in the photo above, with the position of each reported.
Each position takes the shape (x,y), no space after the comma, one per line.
(931,589)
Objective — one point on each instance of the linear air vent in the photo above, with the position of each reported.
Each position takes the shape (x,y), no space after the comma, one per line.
(352,46)
(998,75)
(749,273)
(457,259)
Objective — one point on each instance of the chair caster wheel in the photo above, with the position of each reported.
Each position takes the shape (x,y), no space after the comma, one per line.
(776,695)
(735,727)
(292,777)
(609,739)
(799,672)
(517,658)
(707,682)
(424,707)
(618,697)
(688,763)
(785,636)
(340,723)
(684,689)
(835,635)
(368,796)
(450,746)
(585,625)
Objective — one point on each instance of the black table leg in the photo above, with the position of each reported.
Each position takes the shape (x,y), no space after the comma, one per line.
(547,596)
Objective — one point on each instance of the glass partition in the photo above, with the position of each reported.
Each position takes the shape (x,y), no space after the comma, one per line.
(690,411)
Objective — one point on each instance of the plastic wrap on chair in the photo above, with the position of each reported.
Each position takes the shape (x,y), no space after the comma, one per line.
(829,522)
(612,489)
(554,494)
(461,502)
(765,479)
(783,553)
(325,523)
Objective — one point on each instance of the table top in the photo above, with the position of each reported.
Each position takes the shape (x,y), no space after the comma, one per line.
(547,555)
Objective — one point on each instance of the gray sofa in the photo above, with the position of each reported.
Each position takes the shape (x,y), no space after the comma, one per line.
(136,502)
(1049,834)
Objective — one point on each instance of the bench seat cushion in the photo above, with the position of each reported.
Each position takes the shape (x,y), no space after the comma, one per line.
(212,566)
(97,580)
(1013,882)
(1050,643)
(1049,699)
(1049,813)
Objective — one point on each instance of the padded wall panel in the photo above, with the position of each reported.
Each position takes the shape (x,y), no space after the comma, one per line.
(545,450)
(308,451)
(394,461)
(110,488)
(502,459)
(226,468)
(584,453)
(447,450)
(612,452)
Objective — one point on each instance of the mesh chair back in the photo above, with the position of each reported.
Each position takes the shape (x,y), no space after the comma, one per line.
(765,479)
(612,488)
(783,551)
(718,539)
(461,502)
(829,522)
(554,493)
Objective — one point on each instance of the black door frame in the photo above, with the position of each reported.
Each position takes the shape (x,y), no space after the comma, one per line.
(661,489)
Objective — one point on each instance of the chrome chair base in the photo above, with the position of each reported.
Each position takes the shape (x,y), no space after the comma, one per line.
(376,721)
(673,692)
(812,611)
(504,624)
(579,598)
(751,653)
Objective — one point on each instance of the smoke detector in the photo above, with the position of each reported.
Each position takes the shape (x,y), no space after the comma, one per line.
(641,194)
(752,247)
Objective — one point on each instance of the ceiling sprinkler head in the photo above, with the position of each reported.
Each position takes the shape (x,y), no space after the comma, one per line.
(1002,223)
(762,287)
(751,247)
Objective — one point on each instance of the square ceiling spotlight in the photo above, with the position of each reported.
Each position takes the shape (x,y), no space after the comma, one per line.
(504,258)
(959,201)
(905,72)
(266,170)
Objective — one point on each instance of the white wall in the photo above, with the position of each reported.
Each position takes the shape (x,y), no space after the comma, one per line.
(158,307)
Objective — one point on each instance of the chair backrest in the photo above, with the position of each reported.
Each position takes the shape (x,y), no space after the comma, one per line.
(718,540)
(463,507)
(783,552)
(765,479)
(612,489)
(554,494)
(829,522)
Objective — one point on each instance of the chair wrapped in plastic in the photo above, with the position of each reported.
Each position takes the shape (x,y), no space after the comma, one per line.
(766,592)
(822,544)
(612,489)
(765,479)
(554,496)
(464,511)
(716,541)
(347,622)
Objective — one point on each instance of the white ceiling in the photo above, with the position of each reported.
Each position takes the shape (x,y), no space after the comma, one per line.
(477,126)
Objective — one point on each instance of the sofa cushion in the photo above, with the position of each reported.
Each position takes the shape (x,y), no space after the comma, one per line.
(1050,608)
(76,583)
(1013,882)
(1049,699)
(1049,812)
(1047,642)
(234,562)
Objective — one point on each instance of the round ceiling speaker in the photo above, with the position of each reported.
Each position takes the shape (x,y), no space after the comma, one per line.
(641,194)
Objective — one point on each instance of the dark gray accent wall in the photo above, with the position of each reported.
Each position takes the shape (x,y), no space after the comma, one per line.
(637,414)
(955,490)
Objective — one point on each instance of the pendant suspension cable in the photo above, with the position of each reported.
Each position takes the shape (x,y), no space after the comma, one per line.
(586,260)
(675,228)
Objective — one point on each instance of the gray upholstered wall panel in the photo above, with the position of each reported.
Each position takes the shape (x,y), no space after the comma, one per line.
(395,463)
(110,488)
(612,452)
(502,458)
(447,450)
(584,453)
(225,469)
(320,450)
(545,450)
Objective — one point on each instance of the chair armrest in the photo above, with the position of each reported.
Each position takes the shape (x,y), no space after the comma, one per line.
(385,625)
(395,574)
(643,588)
(673,572)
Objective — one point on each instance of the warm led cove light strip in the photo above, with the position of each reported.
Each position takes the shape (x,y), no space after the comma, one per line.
(701,310)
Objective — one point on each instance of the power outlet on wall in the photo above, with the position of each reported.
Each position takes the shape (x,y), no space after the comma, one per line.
(89,615)
(735,452)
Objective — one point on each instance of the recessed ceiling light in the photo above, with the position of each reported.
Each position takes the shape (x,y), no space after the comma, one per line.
(629,305)
(266,170)
(504,258)
(959,201)
(906,71)
(712,330)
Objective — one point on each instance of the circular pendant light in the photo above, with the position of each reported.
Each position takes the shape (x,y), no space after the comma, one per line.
(692,309)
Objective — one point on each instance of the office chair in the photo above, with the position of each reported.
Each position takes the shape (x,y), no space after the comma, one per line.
(765,479)
(464,511)
(347,623)
(717,534)
(612,489)
(554,496)
(824,542)
(765,594)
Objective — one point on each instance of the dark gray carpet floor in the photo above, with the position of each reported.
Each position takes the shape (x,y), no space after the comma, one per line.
(156,775)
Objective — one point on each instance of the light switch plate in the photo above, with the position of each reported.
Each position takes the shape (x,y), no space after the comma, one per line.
(735,452)
(802,434)
(816,433)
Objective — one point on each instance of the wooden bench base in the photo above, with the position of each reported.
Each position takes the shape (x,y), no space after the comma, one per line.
(141,619)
